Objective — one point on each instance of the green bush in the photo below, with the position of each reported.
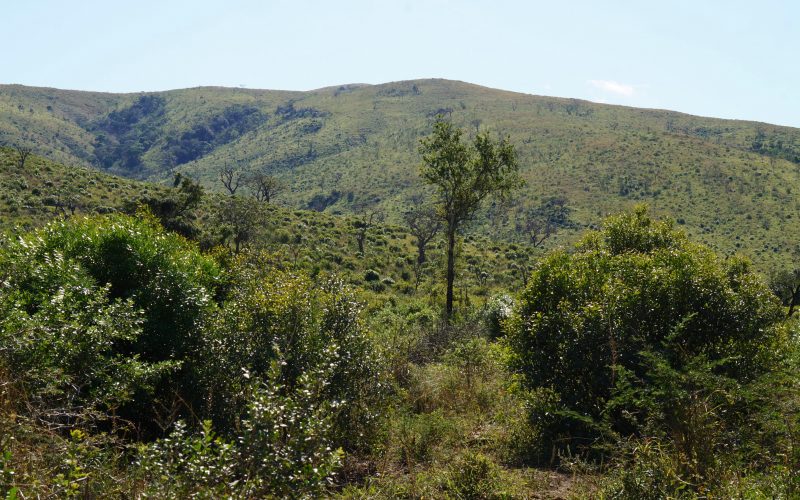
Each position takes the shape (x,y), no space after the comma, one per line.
(473,476)
(282,449)
(70,336)
(96,311)
(273,314)
(601,327)
(161,273)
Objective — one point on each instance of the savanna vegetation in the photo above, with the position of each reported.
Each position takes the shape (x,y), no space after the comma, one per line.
(728,183)
(168,341)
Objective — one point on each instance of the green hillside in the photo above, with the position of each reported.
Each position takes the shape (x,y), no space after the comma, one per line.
(729,183)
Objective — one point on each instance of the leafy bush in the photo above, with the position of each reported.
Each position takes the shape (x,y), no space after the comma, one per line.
(600,328)
(282,449)
(273,314)
(96,310)
(474,475)
(497,311)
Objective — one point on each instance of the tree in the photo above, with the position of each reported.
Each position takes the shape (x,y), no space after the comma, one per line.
(464,176)
(424,224)
(231,178)
(23,152)
(365,220)
(239,218)
(66,200)
(175,209)
(786,285)
(265,187)
(540,223)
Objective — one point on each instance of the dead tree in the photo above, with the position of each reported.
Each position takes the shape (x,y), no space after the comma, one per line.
(231,178)
(265,187)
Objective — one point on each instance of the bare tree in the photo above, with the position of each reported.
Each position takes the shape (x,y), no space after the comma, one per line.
(23,152)
(366,219)
(424,224)
(265,187)
(231,178)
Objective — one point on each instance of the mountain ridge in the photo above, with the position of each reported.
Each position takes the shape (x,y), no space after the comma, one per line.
(340,148)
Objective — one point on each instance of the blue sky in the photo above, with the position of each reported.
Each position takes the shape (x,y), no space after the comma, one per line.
(731,59)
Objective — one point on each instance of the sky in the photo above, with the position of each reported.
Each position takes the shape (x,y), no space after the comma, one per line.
(728,59)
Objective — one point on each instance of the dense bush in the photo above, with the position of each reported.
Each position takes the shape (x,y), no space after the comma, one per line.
(640,331)
(282,449)
(275,315)
(95,311)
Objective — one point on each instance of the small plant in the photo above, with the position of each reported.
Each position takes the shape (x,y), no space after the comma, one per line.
(473,476)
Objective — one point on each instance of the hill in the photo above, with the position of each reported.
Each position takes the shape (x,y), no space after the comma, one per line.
(316,242)
(731,184)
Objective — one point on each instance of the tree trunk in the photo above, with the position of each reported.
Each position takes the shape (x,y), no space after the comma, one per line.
(451,269)
(360,238)
(420,253)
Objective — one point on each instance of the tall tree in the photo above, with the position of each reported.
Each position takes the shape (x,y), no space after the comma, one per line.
(464,175)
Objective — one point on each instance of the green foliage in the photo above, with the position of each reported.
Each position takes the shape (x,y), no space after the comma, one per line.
(473,476)
(463,177)
(286,442)
(282,448)
(184,465)
(418,436)
(496,312)
(161,273)
(272,314)
(97,310)
(731,182)
(65,336)
(635,299)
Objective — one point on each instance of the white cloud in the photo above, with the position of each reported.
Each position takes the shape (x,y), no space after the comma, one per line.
(613,87)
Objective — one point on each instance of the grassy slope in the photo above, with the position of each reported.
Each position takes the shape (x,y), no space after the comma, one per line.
(318,242)
(363,139)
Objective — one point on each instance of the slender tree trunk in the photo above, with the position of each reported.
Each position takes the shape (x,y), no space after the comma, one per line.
(451,269)
(360,238)
(420,253)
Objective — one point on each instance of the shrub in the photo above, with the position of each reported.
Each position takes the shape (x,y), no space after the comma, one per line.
(95,311)
(604,324)
(497,311)
(271,314)
(474,475)
(282,449)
